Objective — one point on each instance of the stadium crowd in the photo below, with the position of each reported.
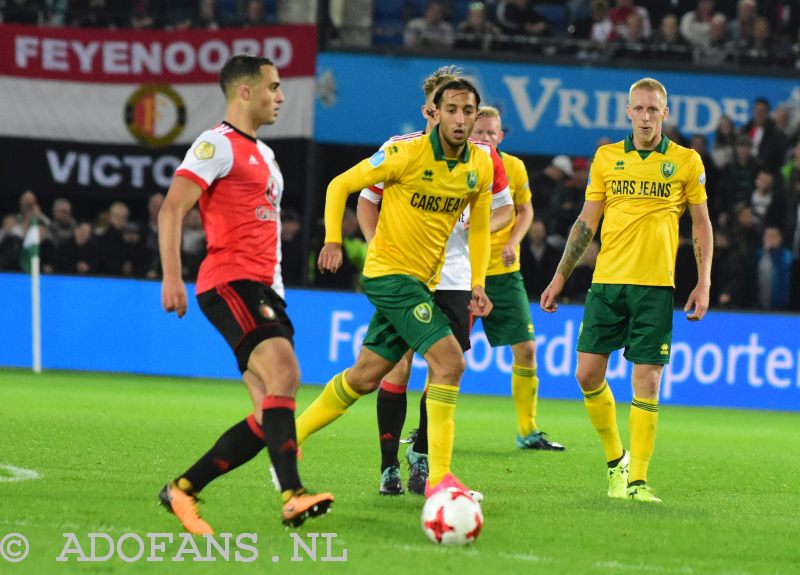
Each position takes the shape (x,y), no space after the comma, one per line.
(753,171)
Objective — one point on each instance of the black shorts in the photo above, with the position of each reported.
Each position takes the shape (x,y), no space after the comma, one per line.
(246,313)
(455,305)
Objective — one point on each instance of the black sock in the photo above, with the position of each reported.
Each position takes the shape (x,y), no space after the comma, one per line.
(277,421)
(391,416)
(421,442)
(236,446)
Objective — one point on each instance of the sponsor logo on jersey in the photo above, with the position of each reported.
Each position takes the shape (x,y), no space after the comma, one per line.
(472,179)
(253,161)
(620,165)
(266,214)
(702,179)
(423,313)
(427,176)
(640,188)
(432,203)
(377,158)
(272,193)
(668,169)
(204,151)
(155,115)
(664,349)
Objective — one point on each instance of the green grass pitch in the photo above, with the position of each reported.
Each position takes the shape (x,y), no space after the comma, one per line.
(105,444)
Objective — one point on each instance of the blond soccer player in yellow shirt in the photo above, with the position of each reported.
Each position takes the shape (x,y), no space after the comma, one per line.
(428,181)
(510,322)
(640,186)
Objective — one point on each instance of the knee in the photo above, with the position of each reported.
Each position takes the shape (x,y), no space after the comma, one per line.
(280,380)
(525,353)
(362,379)
(450,368)
(588,379)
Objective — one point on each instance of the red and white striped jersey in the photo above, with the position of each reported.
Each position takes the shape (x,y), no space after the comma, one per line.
(240,207)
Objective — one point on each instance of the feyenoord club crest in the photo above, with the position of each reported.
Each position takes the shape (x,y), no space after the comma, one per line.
(472,179)
(668,169)
(266,311)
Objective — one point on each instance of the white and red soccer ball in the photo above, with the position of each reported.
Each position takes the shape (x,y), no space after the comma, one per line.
(452,517)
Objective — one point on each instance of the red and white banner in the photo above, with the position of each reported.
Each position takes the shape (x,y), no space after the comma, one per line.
(154,88)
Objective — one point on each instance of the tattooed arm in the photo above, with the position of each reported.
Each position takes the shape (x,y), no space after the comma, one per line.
(703,242)
(580,236)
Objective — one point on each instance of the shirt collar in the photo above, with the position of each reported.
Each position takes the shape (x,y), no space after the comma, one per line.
(661,148)
(438,153)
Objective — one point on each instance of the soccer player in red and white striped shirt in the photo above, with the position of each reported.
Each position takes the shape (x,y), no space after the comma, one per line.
(239,185)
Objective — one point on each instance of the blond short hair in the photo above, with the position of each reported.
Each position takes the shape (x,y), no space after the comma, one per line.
(439,78)
(650,84)
(489,112)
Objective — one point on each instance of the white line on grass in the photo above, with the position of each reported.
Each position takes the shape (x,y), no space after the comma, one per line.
(14,473)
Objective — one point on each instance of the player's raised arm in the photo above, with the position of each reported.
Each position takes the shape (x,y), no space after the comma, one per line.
(703,242)
(182,195)
(580,236)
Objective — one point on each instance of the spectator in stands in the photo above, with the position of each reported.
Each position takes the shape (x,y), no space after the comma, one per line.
(148,231)
(723,150)
(538,259)
(729,286)
(773,271)
(719,49)
(79,254)
(92,14)
(784,18)
(62,226)
(769,144)
(658,9)
(633,43)
(790,175)
(765,48)
(145,14)
(193,244)
(521,20)
(180,14)
(767,202)
(255,15)
(602,30)
(667,42)
(477,31)
(292,267)
(568,200)
(28,208)
(699,143)
(785,123)
(22,12)
(673,133)
(10,244)
(548,184)
(207,18)
(621,12)
(696,25)
(738,179)
(354,250)
(430,31)
(113,249)
(743,26)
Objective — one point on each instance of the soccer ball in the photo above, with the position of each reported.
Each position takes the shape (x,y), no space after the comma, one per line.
(452,517)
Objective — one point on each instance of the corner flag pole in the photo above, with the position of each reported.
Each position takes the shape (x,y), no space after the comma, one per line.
(36,317)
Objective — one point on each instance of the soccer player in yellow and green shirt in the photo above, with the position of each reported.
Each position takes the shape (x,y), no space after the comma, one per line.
(428,181)
(510,321)
(640,186)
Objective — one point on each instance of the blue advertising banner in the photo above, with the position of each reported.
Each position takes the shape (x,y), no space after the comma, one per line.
(546,110)
(728,359)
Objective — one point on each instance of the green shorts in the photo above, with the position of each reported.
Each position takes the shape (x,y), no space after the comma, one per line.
(510,320)
(405,317)
(638,318)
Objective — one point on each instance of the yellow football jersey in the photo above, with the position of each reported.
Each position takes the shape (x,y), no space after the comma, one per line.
(424,195)
(644,198)
(520,194)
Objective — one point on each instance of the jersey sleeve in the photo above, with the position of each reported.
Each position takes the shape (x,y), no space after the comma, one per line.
(696,182)
(210,158)
(479,234)
(596,186)
(500,182)
(386,165)
(502,199)
(374,193)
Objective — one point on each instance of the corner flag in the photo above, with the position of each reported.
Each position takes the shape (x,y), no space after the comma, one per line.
(29,260)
